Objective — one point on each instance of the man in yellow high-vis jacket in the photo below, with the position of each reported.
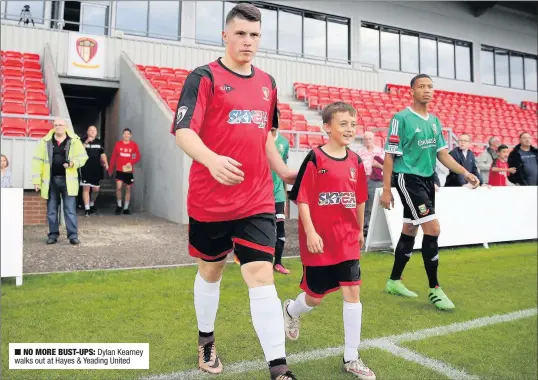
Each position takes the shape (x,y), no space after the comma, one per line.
(55,164)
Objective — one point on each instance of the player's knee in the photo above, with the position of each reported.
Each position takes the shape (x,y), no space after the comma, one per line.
(410,229)
(313,301)
(432,228)
(351,293)
(258,273)
(211,271)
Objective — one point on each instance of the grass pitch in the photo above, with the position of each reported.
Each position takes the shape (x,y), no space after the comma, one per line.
(156,307)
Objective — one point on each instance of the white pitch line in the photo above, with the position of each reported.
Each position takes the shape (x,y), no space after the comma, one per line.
(253,365)
(433,364)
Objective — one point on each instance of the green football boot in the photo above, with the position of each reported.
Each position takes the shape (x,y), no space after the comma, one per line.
(439,299)
(397,287)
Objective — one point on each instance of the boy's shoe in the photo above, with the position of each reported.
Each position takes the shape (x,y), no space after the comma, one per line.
(291,325)
(359,369)
(280,269)
(439,299)
(208,360)
(126,212)
(285,376)
(87,212)
(93,209)
(397,287)
(118,210)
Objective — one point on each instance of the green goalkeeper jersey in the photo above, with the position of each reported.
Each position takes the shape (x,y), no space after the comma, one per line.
(414,141)
(283,147)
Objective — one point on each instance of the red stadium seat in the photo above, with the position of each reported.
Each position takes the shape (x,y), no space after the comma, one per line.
(36,85)
(285,114)
(13,108)
(12,54)
(10,62)
(13,94)
(313,128)
(12,72)
(12,82)
(303,142)
(39,125)
(31,65)
(315,140)
(284,124)
(37,109)
(299,125)
(13,101)
(33,74)
(37,133)
(13,127)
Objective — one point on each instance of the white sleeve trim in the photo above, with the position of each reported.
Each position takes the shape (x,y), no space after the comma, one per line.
(395,153)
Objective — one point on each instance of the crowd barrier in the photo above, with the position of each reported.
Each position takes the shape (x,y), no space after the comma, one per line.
(11,233)
(480,216)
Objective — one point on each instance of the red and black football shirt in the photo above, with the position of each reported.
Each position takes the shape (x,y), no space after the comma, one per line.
(498,178)
(233,115)
(332,188)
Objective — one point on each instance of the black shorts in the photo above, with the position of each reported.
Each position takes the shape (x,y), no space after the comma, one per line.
(252,238)
(126,178)
(91,175)
(319,281)
(280,217)
(418,197)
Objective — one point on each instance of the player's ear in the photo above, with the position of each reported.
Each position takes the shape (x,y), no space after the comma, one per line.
(327,128)
(224,36)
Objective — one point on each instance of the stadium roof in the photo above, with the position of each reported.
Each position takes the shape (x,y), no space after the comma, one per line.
(478,8)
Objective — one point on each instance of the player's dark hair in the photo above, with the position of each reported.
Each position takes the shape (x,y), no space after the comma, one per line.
(419,76)
(329,111)
(523,133)
(127,130)
(501,147)
(244,11)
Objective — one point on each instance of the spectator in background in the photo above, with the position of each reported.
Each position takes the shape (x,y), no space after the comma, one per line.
(500,169)
(57,158)
(486,158)
(465,158)
(524,158)
(6,173)
(92,172)
(372,157)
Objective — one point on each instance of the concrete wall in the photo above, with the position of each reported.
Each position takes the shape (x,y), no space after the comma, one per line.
(161,177)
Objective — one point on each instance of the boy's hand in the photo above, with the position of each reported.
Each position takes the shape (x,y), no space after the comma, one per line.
(512,170)
(387,199)
(314,243)
(361,239)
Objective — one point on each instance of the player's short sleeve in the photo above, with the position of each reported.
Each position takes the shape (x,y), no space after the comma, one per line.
(361,190)
(102,149)
(303,188)
(394,143)
(273,114)
(194,99)
(441,143)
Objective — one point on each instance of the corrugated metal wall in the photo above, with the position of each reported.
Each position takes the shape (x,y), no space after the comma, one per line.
(285,70)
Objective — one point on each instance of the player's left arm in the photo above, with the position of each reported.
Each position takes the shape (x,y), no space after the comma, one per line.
(276,162)
(361,196)
(136,155)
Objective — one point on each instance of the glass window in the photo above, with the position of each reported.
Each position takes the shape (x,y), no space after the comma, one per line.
(315,32)
(338,32)
(428,55)
(516,70)
(390,49)
(93,18)
(446,58)
(268,40)
(290,33)
(164,19)
(2,8)
(209,22)
(530,73)
(132,17)
(14,9)
(409,48)
(501,68)
(227,8)
(369,44)
(486,66)
(463,61)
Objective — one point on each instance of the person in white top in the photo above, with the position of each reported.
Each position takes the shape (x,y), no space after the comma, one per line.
(372,157)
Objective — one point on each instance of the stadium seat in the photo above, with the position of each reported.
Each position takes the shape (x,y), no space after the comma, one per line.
(36,85)
(13,108)
(284,124)
(13,127)
(13,94)
(315,140)
(37,109)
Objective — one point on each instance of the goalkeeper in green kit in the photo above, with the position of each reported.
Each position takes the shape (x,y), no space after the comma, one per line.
(283,147)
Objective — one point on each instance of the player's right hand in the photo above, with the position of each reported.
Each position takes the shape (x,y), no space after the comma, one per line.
(314,243)
(37,188)
(387,200)
(226,171)
(512,170)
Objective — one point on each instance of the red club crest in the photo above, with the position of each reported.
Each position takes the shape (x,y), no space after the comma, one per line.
(87,48)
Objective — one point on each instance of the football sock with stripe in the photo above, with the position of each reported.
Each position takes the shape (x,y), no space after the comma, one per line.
(430,255)
(206,303)
(402,254)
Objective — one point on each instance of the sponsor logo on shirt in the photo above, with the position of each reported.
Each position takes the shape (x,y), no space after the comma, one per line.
(352,175)
(418,130)
(322,171)
(265,92)
(347,199)
(248,117)
(427,143)
(227,88)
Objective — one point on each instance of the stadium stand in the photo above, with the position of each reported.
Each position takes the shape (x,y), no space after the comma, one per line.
(23,93)
(479,116)
(168,83)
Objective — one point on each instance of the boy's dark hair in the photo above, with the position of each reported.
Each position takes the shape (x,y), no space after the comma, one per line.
(501,147)
(128,130)
(329,111)
(244,11)
(419,76)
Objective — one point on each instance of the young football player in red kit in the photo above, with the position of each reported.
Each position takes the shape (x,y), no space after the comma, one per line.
(499,168)
(331,192)
(224,115)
